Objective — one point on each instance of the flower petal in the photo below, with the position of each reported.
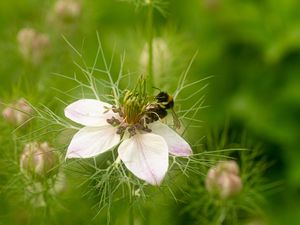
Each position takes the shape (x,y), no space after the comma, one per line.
(91,141)
(146,156)
(177,145)
(89,112)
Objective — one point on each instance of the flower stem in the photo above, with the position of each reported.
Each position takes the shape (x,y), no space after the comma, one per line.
(150,42)
(46,199)
(131,215)
(222,216)
(131,209)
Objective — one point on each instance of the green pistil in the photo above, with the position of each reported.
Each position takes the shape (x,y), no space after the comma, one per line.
(135,102)
(134,107)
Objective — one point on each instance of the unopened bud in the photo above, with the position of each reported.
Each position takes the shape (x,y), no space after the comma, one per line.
(212,4)
(256,222)
(223,179)
(161,59)
(67,10)
(38,160)
(32,45)
(229,166)
(18,113)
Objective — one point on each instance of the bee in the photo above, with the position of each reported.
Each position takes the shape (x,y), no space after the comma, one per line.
(165,99)
(158,110)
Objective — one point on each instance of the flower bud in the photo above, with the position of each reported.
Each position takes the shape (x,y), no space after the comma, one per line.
(211,4)
(230,167)
(18,113)
(38,160)
(32,45)
(256,222)
(67,10)
(223,179)
(161,59)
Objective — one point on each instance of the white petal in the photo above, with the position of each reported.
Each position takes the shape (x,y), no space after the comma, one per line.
(91,141)
(89,112)
(146,156)
(177,145)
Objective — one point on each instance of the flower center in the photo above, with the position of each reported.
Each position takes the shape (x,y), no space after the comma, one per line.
(133,111)
(134,106)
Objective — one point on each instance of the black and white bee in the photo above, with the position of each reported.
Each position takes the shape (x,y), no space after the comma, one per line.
(159,108)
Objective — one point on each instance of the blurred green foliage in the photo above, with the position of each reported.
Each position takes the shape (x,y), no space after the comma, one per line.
(250,47)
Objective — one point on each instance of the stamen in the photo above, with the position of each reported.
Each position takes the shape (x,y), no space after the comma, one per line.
(121,130)
(147,129)
(132,131)
(113,121)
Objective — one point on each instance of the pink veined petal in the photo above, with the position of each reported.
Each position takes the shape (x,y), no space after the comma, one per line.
(146,156)
(91,141)
(177,145)
(89,112)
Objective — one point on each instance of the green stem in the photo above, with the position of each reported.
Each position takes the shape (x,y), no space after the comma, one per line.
(150,43)
(45,197)
(131,200)
(131,215)
(222,216)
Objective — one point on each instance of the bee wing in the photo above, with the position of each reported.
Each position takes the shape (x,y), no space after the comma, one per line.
(176,121)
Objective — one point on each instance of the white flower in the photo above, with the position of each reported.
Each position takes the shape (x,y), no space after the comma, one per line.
(144,152)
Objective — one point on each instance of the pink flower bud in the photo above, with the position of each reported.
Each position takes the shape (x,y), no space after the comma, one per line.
(223,179)
(67,9)
(230,166)
(32,45)
(38,160)
(212,4)
(18,113)
(162,60)
(256,222)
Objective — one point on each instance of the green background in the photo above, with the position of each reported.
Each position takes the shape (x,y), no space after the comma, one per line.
(250,48)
